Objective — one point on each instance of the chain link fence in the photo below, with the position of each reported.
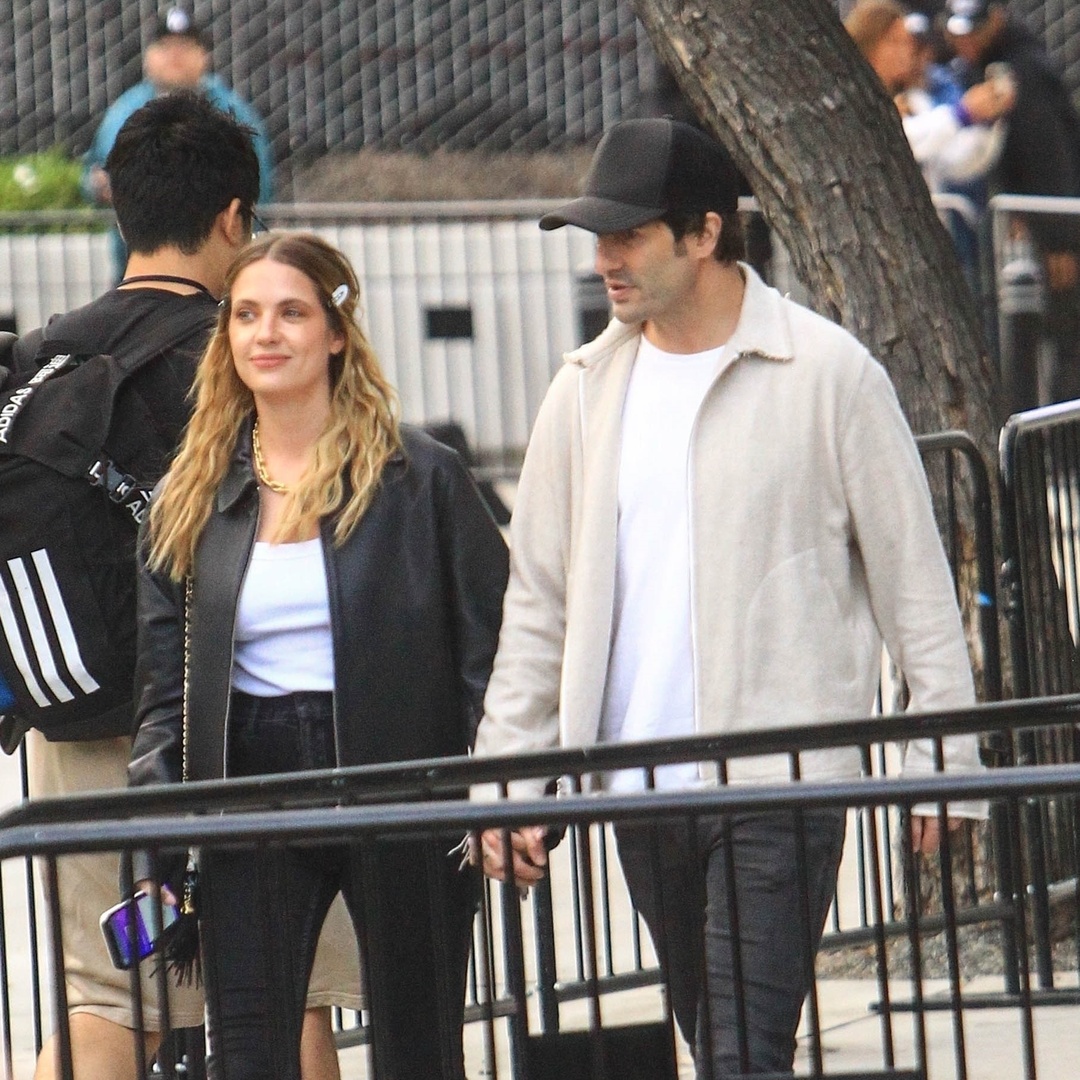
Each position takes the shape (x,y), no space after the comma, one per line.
(387,74)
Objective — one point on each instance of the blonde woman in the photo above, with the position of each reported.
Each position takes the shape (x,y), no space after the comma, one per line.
(344,584)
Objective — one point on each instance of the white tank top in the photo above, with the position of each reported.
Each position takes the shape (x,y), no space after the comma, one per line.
(283,640)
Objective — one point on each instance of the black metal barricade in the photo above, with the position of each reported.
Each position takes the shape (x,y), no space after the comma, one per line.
(1033,319)
(606,974)
(1040,472)
(1040,475)
(960,479)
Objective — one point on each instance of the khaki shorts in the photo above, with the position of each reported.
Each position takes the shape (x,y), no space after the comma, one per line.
(88,884)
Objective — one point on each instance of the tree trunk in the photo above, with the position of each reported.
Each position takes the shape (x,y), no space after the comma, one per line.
(782,85)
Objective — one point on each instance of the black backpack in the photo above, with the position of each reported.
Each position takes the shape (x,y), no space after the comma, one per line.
(69,517)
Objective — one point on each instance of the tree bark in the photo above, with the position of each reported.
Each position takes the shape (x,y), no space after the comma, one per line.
(810,125)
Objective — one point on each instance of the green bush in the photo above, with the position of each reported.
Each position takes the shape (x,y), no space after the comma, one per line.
(47,181)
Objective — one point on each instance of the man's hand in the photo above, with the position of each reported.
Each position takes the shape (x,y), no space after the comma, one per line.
(528,853)
(100,186)
(926,833)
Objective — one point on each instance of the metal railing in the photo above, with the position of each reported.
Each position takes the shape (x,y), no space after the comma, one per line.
(1046,849)
(1025,322)
(517,993)
(960,478)
(1040,474)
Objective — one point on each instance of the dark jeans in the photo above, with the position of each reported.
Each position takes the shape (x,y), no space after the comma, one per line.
(262,911)
(1062,375)
(751,983)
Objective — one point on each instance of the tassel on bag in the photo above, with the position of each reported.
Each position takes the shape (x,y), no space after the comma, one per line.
(182,949)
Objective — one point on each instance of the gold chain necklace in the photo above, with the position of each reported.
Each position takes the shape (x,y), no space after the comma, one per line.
(260,466)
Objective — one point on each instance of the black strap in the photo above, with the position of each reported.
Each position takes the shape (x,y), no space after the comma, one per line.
(22,398)
(167,277)
(121,487)
(169,328)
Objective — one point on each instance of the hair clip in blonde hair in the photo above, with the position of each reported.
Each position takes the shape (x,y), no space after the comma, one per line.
(339,295)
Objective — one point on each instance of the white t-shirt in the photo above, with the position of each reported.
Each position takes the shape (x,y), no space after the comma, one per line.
(283,640)
(650,682)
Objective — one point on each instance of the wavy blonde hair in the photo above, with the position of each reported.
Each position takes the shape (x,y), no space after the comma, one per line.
(360,436)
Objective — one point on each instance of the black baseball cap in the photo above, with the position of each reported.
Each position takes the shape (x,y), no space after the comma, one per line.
(965,16)
(642,169)
(176,22)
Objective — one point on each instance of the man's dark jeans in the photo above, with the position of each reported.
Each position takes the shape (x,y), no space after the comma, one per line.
(785,870)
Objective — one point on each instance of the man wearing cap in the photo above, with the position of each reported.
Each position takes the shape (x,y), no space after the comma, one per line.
(721,514)
(1040,156)
(177,58)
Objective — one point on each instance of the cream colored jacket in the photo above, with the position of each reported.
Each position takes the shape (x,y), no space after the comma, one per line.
(813,539)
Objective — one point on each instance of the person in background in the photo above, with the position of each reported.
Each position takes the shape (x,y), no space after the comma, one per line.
(721,515)
(935,83)
(953,138)
(346,583)
(177,58)
(1040,156)
(955,135)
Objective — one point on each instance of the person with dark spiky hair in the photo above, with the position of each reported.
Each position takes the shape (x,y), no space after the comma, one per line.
(177,58)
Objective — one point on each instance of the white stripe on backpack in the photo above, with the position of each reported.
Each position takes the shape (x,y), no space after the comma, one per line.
(69,645)
(18,650)
(55,613)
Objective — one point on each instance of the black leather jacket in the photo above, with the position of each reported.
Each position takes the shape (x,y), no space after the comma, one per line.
(415,606)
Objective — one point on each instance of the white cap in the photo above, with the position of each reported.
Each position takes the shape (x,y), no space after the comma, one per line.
(966,15)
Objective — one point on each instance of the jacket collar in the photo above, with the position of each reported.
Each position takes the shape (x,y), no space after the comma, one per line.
(240,477)
(762,329)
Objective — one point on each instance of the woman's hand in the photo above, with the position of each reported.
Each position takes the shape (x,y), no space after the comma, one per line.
(150,887)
